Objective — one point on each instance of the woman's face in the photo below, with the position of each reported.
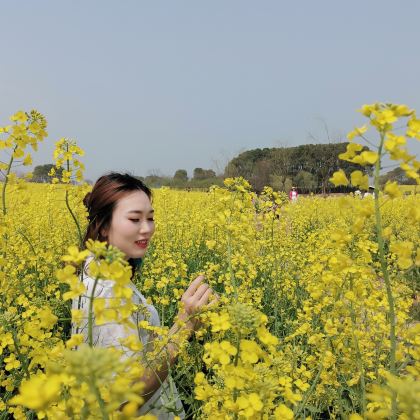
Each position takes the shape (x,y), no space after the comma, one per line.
(132,224)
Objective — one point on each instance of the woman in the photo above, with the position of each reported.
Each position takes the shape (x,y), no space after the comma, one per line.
(120,212)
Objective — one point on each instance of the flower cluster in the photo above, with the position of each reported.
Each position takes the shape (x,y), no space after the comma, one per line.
(27,129)
(66,157)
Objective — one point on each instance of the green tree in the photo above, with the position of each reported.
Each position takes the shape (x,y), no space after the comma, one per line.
(209,173)
(200,173)
(157,181)
(181,175)
(281,183)
(40,173)
(281,160)
(305,181)
(276,182)
(397,175)
(244,164)
(287,185)
(261,175)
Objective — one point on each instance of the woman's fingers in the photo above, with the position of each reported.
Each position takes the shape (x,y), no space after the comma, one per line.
(194,286)
(205,297)
(201,290)
(215,299)
(198,295)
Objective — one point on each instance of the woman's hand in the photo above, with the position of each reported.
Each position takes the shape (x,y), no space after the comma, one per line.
(193,300)
(195,297)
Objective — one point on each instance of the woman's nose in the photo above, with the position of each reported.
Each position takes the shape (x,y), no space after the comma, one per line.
(146,227)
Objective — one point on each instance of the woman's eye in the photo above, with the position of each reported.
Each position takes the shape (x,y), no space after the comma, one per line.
(151,219)
(134,220)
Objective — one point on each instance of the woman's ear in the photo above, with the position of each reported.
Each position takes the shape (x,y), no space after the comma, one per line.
(103,231)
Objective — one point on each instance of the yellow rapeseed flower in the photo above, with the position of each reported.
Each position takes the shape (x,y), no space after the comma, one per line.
(282,412)
(358,179)
(368,157)
(391,188)
(339,178)
(358,131)
(38,392)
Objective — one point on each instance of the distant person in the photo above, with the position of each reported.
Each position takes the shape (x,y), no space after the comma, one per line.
(370,192)
(293,194)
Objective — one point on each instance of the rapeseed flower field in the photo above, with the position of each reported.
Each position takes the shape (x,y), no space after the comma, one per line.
(317,314)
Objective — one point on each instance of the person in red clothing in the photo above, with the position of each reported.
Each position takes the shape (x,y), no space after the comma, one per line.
(293,194)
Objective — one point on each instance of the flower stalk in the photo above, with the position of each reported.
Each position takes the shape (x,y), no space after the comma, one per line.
(385,273)
(6,179)
(79,232)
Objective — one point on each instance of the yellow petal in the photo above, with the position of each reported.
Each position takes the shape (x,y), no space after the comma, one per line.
(339,178)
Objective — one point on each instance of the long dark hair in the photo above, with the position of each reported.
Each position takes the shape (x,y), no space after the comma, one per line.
(101,201)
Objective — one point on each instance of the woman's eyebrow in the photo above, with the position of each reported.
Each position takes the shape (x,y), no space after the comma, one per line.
(141,212)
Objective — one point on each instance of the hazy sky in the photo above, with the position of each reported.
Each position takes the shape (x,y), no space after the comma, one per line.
(149,86)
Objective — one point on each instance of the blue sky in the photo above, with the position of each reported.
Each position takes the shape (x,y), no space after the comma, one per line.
(155,86)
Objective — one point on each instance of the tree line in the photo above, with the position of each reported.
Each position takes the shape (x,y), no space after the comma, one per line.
(202,178)
(307,167)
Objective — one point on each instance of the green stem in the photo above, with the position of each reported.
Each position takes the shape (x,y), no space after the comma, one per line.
(101,402)
(38,290)
(22,361)
(384,268)
(231,273)
(6,181)
(90,314)
(79,232)
(28,241)
(229,249)
(310,391)
(84,414)
(235,391)
(359,357)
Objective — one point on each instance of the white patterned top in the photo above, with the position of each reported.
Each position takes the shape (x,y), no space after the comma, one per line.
(165,402)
